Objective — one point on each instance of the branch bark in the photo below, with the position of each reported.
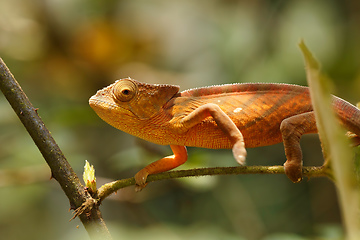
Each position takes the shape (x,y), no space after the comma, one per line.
(112,187)
(60,168)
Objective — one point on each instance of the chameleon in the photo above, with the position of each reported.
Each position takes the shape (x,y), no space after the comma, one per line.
(230,116)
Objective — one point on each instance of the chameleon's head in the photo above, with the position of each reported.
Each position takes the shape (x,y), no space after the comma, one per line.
(127,98)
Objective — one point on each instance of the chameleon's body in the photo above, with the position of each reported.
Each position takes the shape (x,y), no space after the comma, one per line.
(224,116)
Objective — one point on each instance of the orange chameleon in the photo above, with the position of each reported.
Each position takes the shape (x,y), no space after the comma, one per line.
(224,116)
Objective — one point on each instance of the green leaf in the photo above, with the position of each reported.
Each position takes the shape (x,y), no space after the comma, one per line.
(336,145)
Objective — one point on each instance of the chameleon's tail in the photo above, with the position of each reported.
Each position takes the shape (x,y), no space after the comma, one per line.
(355,139)
(350,117)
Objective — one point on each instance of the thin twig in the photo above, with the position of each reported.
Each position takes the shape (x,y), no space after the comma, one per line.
(112,187)
(60,168)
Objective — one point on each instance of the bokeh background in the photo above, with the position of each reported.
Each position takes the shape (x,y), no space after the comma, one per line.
(62,52)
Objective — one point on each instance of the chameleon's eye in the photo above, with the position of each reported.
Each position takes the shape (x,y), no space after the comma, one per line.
(124,90)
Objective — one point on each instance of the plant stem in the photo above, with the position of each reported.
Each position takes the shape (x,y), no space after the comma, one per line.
(60,168)
(112,187)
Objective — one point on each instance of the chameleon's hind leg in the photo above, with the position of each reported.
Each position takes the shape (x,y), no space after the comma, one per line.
(292,129)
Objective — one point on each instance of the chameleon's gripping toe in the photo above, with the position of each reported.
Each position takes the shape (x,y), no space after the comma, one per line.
(293,171)
(140,180)
(161,165)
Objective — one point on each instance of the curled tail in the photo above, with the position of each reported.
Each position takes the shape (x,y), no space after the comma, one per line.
(349,116)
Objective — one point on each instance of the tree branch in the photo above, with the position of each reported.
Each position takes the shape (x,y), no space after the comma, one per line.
(112,187)
(60,168)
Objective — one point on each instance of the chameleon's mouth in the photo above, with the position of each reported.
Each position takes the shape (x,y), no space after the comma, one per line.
(105,107)
(95,102)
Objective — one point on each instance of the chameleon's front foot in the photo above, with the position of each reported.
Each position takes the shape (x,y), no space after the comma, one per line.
(293,171)
(140,179)
(162,165)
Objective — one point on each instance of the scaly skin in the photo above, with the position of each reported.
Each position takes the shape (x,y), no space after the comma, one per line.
(225,116)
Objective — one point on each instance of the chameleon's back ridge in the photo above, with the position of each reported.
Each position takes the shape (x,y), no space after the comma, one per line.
(241,88)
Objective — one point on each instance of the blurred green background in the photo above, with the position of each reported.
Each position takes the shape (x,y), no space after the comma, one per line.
(62,52)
